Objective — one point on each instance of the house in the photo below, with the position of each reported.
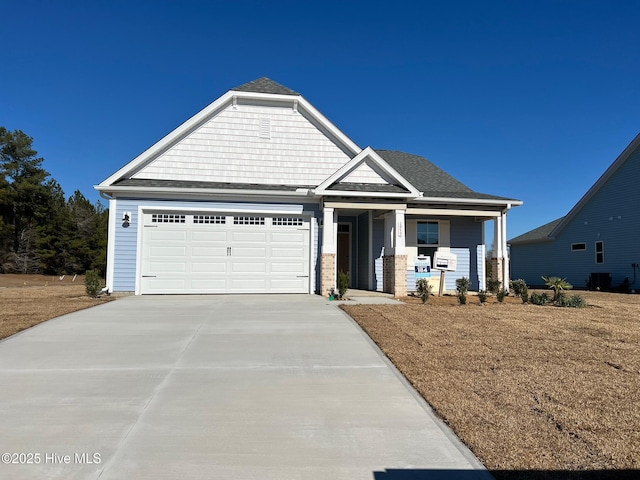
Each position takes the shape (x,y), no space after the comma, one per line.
(261,193)
(596,244)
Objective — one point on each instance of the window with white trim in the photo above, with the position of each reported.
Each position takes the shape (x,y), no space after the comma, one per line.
(210,219)
(578,247)
(600,252)
(167,218)
(248,220)
(428,238)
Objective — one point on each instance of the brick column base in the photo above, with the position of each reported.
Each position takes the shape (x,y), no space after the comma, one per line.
(496,271)
(394,268)
(327,273)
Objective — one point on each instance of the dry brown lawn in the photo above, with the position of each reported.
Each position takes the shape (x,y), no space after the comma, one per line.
(527,388)
(27,300)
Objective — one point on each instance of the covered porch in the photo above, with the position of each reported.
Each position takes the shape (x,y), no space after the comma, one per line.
(377,242)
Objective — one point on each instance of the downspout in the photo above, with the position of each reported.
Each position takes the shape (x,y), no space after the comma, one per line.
(111,241)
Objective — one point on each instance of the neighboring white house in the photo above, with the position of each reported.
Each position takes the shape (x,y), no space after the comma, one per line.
(596,244)
(260,193)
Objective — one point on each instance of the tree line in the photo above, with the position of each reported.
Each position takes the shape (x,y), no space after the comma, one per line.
(42,231)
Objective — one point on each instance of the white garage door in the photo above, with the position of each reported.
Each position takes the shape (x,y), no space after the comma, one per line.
(222,253)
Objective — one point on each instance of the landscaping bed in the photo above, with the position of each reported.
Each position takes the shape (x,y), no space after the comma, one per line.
(27,300)
(543,391)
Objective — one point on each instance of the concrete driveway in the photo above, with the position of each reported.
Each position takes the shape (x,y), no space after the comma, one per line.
(237,387)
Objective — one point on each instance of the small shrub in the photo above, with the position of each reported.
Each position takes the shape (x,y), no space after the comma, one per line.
(92,283)
(482,295)
(525,296)
(424,289)
(463,284)
(519,287)
(462,287)
(343,283)
(500,295)
(574,301)
(539,298)
(493,285)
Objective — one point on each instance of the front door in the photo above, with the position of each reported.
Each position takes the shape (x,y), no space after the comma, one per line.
(344,249)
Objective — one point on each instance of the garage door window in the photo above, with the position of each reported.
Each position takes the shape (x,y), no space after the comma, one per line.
(287,222)
(167,218)
(210,219)
(248,220)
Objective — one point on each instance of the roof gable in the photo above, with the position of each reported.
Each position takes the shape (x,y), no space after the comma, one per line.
(184,154)
(604,178)
(367,173)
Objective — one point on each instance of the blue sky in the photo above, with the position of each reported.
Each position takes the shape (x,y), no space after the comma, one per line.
(530,100)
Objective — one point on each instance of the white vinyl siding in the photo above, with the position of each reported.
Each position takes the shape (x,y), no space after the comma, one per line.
(260,144)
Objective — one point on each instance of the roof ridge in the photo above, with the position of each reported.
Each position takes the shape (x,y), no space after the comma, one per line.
(265,85)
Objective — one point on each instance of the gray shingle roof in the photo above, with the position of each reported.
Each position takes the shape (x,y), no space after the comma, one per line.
(367,187)
(265,85)
(141,182)
(429,178)
(539,234)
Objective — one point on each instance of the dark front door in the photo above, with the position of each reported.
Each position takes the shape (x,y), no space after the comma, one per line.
(344,248)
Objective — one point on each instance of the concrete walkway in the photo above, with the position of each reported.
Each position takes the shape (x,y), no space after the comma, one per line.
(224,387)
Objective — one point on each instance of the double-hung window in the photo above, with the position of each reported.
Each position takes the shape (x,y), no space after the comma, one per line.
(428,238)
(599,252)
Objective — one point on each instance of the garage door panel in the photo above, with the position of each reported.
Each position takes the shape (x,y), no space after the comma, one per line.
(293,252)
(166,285)
(216,236)
(160,235)
(247,284)
(203,253)
(208,285)
(243,236)
(209,267)
(248,268)
(296,237)
(247,252)
(155,268)
(168,251)
(285,285)
(293,267)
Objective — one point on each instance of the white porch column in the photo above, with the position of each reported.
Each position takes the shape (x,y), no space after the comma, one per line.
(497,255)
(400,244)
(329,234)
(505,251)
(395,254)
(329,250)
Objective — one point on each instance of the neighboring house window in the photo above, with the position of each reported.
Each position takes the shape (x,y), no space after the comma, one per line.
(576,247)
(428,238)
(599,252)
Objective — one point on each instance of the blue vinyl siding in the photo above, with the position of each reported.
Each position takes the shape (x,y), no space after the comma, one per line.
(124,274)
(612,216)
(465,235)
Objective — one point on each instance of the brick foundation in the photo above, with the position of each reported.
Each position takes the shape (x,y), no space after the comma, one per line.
(327,273)
(395,274)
